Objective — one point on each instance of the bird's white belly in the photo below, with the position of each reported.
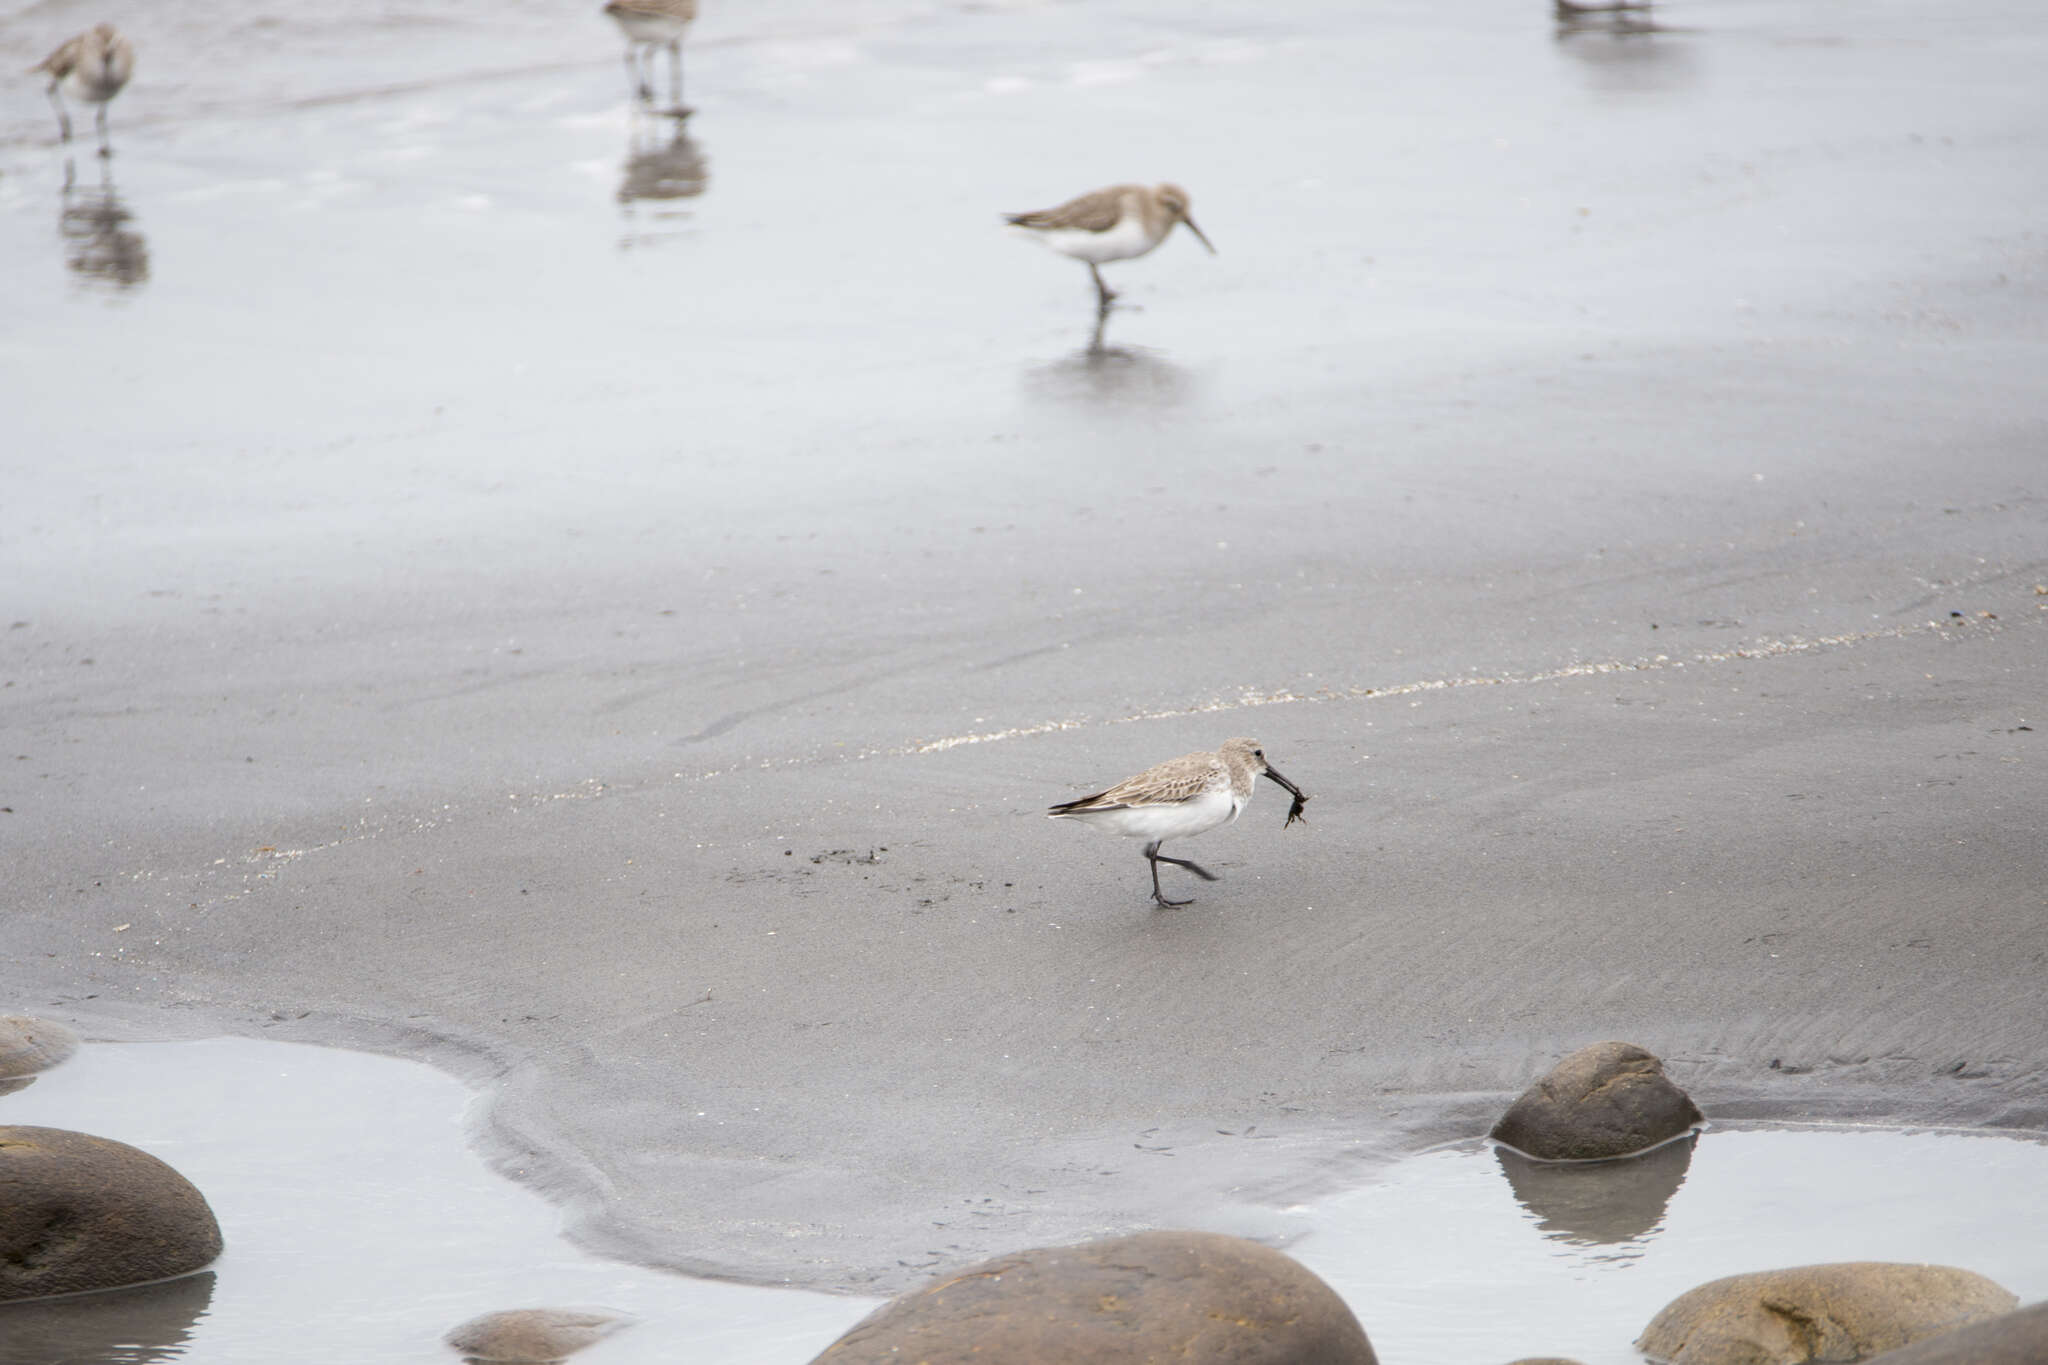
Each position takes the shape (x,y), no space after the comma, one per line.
(95,84)
(1127,239)
(1176,821)
(650,28)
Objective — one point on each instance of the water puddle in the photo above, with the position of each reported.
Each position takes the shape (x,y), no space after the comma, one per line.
(360,1227)
(1469,1254)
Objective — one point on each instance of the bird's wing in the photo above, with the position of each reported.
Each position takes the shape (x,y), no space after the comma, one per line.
(1079,804)
(60,62)
(1097,212)
(1167,784)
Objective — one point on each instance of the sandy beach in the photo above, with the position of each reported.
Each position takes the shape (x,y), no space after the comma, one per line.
(619,644)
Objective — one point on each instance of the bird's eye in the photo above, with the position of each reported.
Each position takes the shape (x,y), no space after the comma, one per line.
(1258,753)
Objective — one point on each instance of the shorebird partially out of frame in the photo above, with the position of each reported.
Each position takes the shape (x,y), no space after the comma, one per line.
(1179,799)
(1111,225)
(649,24)
(92,67)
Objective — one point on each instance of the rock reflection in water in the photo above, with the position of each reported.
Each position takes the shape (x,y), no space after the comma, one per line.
(142,1325)
(664,164)
(101,245)
(1599,1202)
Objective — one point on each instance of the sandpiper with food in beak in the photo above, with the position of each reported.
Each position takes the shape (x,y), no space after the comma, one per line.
(1181,798)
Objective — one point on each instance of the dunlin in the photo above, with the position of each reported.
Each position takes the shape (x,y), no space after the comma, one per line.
(1111,225)
(93,67)
(1181,798)
(649,24)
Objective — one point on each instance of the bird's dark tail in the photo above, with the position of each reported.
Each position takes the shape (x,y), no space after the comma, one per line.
(1077,804)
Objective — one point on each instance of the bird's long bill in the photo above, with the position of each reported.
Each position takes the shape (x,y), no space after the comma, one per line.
(1300,797)
(1198,233)
(1299,794)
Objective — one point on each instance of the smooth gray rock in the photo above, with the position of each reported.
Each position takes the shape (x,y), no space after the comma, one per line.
(1847,1311)
(534,1336)
(2016,1338)
(1192,1298)
(79,1212)
(1607,1100)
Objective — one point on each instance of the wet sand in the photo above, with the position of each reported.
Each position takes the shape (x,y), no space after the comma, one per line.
(624,648)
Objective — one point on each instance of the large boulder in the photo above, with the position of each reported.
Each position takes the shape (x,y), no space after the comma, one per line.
(2018,1338)
(1843,1312)
(534,1336)
(1193,1298)
(79,1212)
(1603,1101)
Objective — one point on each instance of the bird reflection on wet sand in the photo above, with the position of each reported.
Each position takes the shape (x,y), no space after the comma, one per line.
(1622,48)
(101,243)
(663,164)
(1113,376)
(1607,18)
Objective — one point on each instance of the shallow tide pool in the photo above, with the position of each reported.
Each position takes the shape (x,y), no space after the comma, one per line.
(360,1227)
(1469,1254)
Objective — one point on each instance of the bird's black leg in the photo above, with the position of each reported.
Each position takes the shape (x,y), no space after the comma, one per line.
(634,77)
(106,148)
(1152,856)
(63,118)
(1104,295)
(1204,873)
(675,80)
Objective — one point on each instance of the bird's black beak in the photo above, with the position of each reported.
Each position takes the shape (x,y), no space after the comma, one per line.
(1198,233)
(1300,797)
(1274,773)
